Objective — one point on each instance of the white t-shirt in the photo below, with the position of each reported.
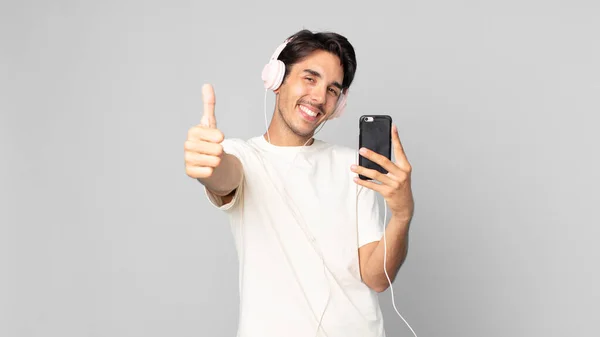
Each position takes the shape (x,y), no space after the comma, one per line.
(294,205)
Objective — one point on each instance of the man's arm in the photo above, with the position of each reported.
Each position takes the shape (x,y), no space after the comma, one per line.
(395,187)
(371,255)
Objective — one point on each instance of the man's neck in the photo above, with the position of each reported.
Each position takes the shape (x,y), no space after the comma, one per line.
(277,139)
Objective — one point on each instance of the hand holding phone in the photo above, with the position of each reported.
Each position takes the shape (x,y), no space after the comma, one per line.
(377,172)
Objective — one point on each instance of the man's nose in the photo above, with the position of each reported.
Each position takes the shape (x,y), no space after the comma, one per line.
(318,94)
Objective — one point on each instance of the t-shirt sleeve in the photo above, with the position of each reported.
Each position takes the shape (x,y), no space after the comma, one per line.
(234,147)
(370,222)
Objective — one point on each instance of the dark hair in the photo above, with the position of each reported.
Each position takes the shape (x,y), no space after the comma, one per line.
(306,42)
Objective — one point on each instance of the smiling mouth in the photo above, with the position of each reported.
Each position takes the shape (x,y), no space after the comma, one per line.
(310,112)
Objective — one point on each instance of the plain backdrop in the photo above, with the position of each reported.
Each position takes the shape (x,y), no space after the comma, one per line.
(103,234)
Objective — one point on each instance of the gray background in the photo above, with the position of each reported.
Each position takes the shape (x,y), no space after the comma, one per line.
(103,234)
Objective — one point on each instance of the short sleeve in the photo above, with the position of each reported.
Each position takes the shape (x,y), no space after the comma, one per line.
(236,148)
(370,225)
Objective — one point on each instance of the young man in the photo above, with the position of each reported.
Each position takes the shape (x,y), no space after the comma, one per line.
(309,235)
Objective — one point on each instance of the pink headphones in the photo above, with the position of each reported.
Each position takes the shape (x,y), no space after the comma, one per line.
(272,76)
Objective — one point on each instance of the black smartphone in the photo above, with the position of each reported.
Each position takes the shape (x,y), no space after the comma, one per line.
(375,135)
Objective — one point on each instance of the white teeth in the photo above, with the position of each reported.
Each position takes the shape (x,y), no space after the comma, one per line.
(308,111)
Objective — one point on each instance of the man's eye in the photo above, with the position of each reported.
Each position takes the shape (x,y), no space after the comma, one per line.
(333,91)
(310,79)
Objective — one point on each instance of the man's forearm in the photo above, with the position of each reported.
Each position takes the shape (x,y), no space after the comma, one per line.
(225,177)
(396,235)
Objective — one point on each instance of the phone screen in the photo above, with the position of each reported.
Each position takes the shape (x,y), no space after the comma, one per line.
(375,135)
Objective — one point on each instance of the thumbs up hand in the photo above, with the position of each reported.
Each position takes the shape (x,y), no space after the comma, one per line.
(203,149)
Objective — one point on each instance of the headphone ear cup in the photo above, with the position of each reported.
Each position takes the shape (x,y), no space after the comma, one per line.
(272,74)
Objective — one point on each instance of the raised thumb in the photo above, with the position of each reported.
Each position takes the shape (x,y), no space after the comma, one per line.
(208,99)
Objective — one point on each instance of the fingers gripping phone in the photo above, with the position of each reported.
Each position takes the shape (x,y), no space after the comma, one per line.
(375,135)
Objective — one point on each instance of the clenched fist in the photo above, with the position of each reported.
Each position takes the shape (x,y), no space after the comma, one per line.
(203,149)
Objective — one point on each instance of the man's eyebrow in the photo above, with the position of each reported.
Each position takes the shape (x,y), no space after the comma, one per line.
(316,74)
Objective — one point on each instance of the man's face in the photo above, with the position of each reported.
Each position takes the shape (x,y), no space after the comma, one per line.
(310,92)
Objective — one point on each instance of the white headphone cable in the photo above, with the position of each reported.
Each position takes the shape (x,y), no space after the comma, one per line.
(385,268)
(305,230)
(284,196)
